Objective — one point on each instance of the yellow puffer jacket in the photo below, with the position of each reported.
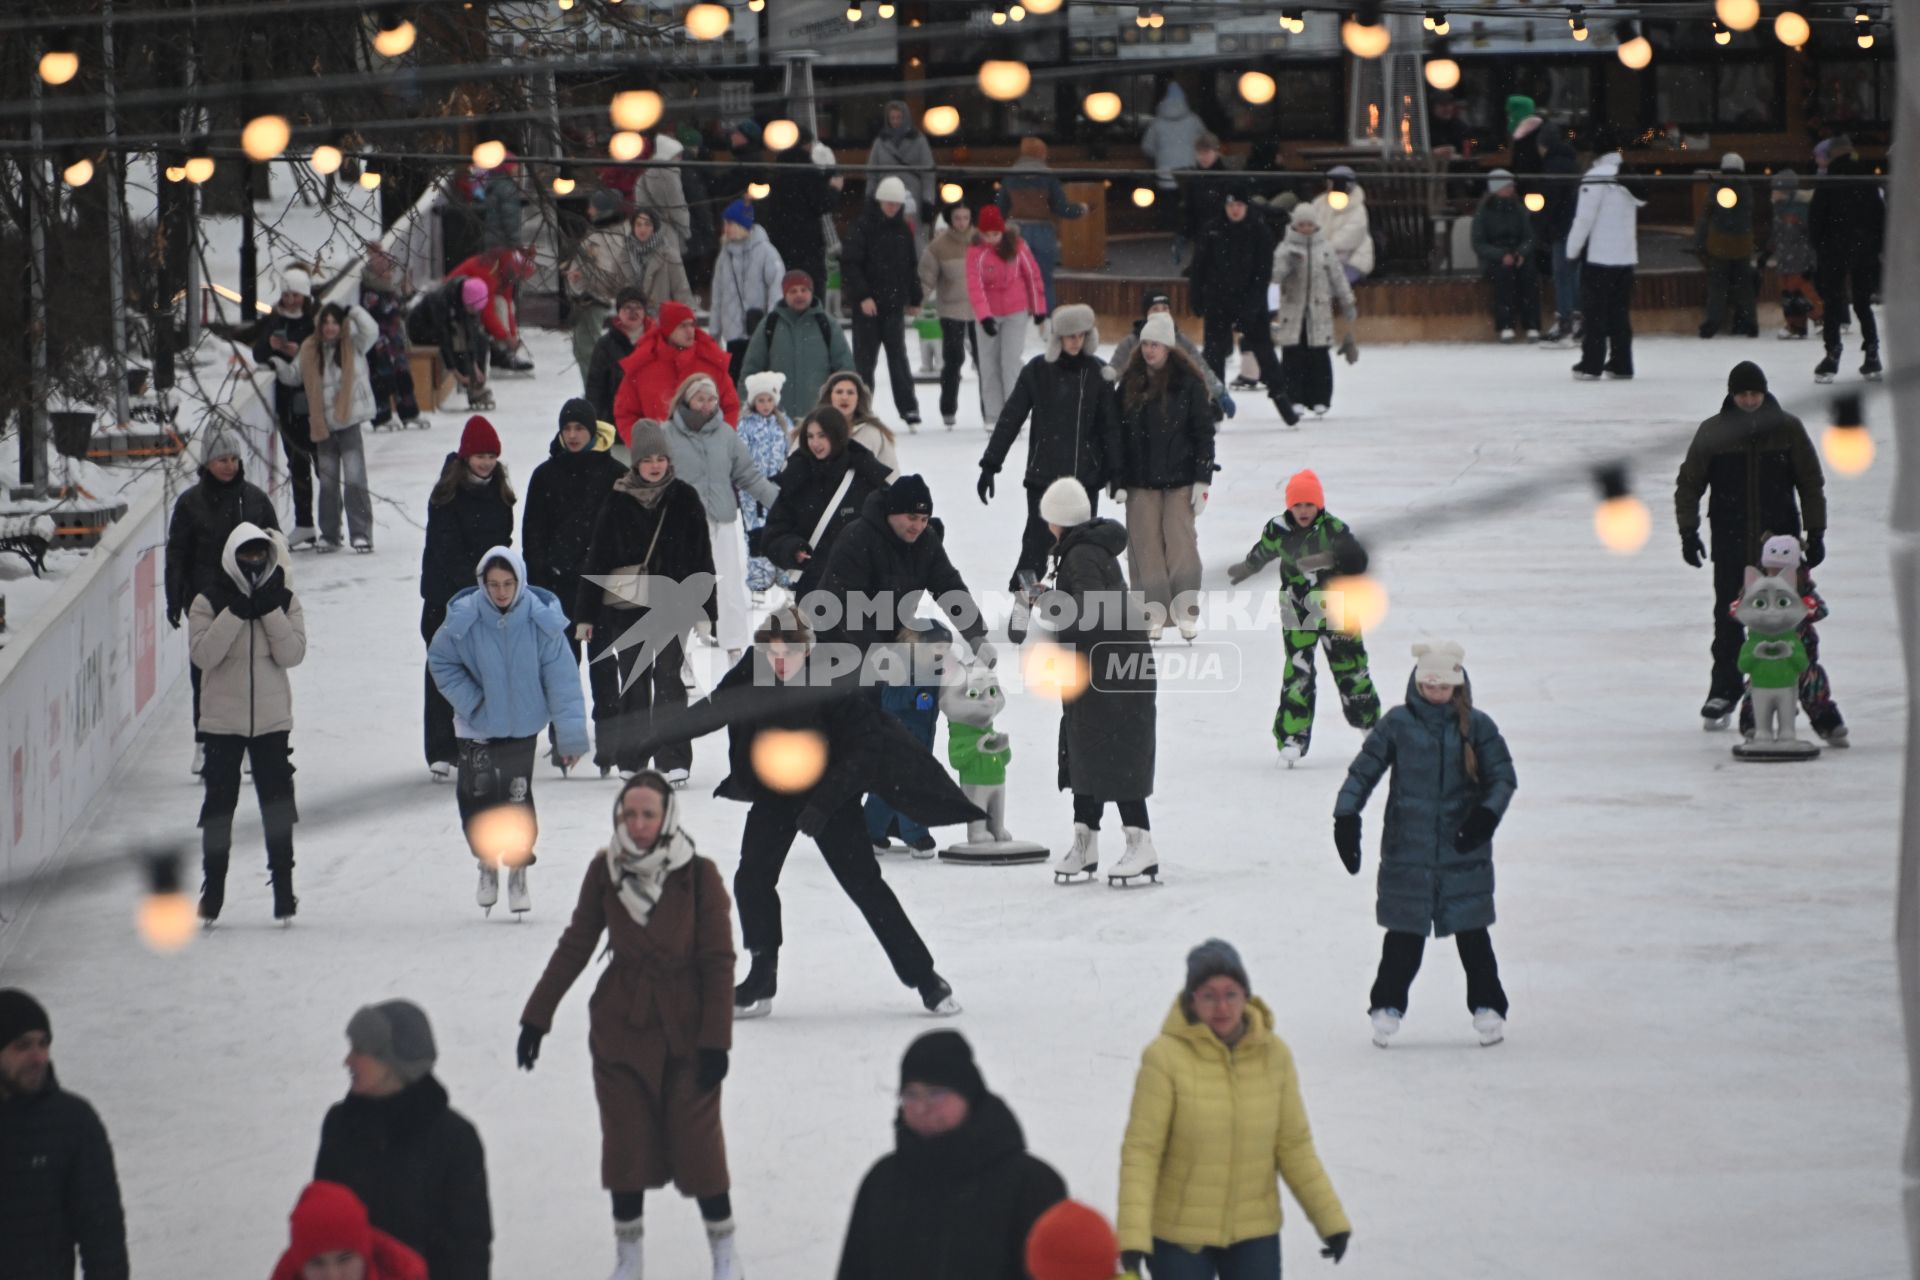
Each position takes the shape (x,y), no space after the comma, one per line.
(1210,1127)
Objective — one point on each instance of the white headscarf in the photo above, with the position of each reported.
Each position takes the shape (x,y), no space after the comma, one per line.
(640,875)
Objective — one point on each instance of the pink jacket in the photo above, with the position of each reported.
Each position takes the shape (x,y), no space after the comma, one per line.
(997,287)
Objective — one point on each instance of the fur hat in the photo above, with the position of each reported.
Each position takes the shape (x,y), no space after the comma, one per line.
(1065,503)
(890,191)
(943,1058)
(1159,328)
(1072,1242)
(768,383)
(1746,376)
(395,1032)
(296,280)
(1499,180)
(909,496)
(1304,486)
(1074,318)
(1439,663)
(478,436)
(1215,959)
(1781,555)
(648,439)
(991,219)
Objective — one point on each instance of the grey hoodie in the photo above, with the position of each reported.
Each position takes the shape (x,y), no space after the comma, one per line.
(746,277)
(1170,136)
(906,154)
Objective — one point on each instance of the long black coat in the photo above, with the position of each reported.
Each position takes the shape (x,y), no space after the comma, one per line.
(1232,264)
(459,532)
(955,1207)
(203,519)
(1756,464)
(564,496)
(878,261)
(799,196)
(417,1165)
(1107,733)
(1076,421)
(807,484)
(1845,219)
(58,1190)
(1166,442)
(621,534)
(603,370)
(870,560)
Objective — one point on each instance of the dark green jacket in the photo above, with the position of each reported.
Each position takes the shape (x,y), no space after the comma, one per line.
(1755,464)
(807,346)
(1501,225)
(1309,557)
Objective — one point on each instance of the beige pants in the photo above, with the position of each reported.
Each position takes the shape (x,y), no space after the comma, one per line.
(1163,550)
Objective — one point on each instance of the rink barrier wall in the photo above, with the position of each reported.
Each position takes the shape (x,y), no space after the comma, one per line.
(77,685)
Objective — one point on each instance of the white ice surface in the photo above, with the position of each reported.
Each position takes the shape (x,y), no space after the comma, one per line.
(1701,1075)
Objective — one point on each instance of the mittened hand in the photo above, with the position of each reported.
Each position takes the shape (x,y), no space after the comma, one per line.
(812,821)
(985,487)
(1336,1245)
(1199,499)
(528,1051)
(1227,406)
(1039,317)
(1118,495)
(268,599)
(990,327)
(1239,573)
(1694,551)
(712,1069)
(1346,838)
(244,607)
(1134,1263)
(1477,829)
(1816,547)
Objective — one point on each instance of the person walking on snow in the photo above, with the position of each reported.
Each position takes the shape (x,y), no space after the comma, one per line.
(880,281)
(800,341)
(1314,547)
(330,1236)
(1231,265)
(1004,288)
(502,659)
(959,1194)
(668,922)
(711,457)
(1756,458)
(901,151)
(1453,779)
(746,282)
(245,633)
(1313,289)
(1605,238)
(1216,1114)
(944,278)
(1156,302)
(767,431)
(332,368)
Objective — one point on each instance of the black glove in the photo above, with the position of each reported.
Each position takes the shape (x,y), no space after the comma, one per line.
(267,599)
(1692,550)
(1134,1263)
(173,618)
(528,1051)
(990,327)
(1239,573)
(1816,547)
(985,487)
(1346,838)
(812,820)
(244,607)
(712,1069)
(1476,830)
(1040,317)
(1336,1245)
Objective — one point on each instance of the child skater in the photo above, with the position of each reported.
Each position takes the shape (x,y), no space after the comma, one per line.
(765,428)
(1452,781)
(911,696)
(1783,556)
(1312,546)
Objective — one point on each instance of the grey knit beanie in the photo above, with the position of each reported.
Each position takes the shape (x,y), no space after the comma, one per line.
(1214,959)
(397,1033)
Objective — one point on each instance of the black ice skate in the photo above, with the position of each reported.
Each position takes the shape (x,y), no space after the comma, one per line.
(1870,368)
(937,996)
(284,903)
(1824,371)
(1716,713)
(754,997)
(213,889)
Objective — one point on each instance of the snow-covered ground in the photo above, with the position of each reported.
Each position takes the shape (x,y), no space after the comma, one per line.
(1702,1075)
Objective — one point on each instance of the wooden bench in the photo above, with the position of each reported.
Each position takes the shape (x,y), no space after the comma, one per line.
(433,382)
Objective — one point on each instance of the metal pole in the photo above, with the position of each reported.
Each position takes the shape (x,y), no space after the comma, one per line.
(33,449)
(116,169)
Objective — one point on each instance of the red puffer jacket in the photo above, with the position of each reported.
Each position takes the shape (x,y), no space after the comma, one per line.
(653,373)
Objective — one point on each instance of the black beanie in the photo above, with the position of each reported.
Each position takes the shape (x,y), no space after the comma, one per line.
(19,1014)
(1152,297)
(909,496)
(1746,376)
(943,1058)
(581,411)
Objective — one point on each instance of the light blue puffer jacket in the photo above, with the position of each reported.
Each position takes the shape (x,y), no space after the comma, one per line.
(509,673)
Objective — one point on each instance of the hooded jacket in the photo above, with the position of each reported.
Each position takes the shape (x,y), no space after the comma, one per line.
(320,374)
(807,484)
(1107,734)
(1209,1128)
(1348,232)
(622,535)
(746,285)
(203,517)
(478,516)
(715,462)
(905,153)
(1755,464)
(997,287)
(659,188)
(944,275)
(1426,885)
(509,672)
(1166,442)
(1606,218)
(1170,136)
(954,1207)
(651,377)
(564,497)
(871,560)
(58,1190)
(244,662)
(1076,422)
(878,261)
(1312,289)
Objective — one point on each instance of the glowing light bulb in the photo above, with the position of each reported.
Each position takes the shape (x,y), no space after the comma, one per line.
(1622,524)
(1864,39)
(1726,197)
(393,41)
(199,169)
(780,134)
(1355,603)
(998,17)
(370,179)
(565,5)
(78,173)
(1052,670)
(504,835)
(1847,447)
(1443,73)
(853,13)
(788,760)
(1257,87)
(1158,20)
(1636,53)
(758,190)
(1791,29)
(1042,7)
(1534,201)
(940,121)
(1721,36)
(166,921)
(626,145)
(57,66)
(1017,12)
(1143,197)
(176,173)
(708,21)
(951,193)
(755,6)
(1102,106)
(1579,27)
(326,158)
(885,10)
(563,185)
(635,110)
(1368,40)
(1739,15)
(1004,79)
(490,154)
(1337,200)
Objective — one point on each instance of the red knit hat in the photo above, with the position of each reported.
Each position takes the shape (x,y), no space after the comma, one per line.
(479,437)
(1304,486)
(1072,1242)
(673,315)
(330,1219)
(794,279)
(991,219)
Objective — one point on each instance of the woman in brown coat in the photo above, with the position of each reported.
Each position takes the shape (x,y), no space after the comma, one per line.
(661,1019)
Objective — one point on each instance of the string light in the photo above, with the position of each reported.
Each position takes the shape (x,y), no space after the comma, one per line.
(1577,23)
(885,9)
(1738,15)
(1621,521)
(853,13)
(755,6)
(1042,7)
(1143,197)
(1102,106)
(1004,79)
(394,35)
(1442,71)
(1791,29)
(708,21)
(565,5)
(780,134)
(758,190)
(788,760)
(1053,670)
(951,193)
(60,63)
(199,166)
(1726,197)
(503,835)
(1863,31)
(999,15)
(1293,21)
(1337,200)
(1257,87)
(1635,50)
(940,121)
(626,145)
(1721,36)
(325,159)
(1363,34)
(176,167)
(370,174)
(265,137)
(1355,603)
(76,170)
(1017,12)
(1846,445)
(166,917)
(635,110)
(563,181)
(1534,201)
(1436,22)
(490,154)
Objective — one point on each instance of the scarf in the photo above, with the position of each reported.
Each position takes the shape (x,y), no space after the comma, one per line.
(314,381)
(647,495)
(640,875)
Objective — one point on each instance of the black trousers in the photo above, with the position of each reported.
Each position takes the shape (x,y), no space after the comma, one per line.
(272,784)
(957,341)
(1731,287)
(623,721)
(1256,339)
(294,436)
(1606,301)
(438,712)
(392,382)
(1516,295)
(193,678)
(493,773)
(888,329)
(1087,810)
(1400,959)
(1729,580)
(1036,540)
(1840,281)
(843,842)
(1306,374)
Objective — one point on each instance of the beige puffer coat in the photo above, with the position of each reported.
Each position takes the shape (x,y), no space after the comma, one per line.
(1312,286)
(943,274)
(243,685)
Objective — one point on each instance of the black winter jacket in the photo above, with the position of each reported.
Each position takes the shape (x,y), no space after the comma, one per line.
(799,196)
(564,497)
(1232,265)
(1076,422)
(288,401)
(437,317)
(955,1207)
(203,518)
(806,485)
(878,261)
(458,534)
(1756,464)
(621,535)
(871,561)
(1849,218)
(603,370)
(1107,734)
(58,1190)
(1166,442)
(417,1165)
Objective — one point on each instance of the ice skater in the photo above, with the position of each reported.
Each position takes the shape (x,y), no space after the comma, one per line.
(1783,557)
(1451,773)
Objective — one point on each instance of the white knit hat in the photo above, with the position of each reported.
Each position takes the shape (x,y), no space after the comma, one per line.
(1439,663)
(891,190)
(765,384)
(1733,162)
(1065,503)
(1780,554)
(296,280)
(1159,328)
(667,147)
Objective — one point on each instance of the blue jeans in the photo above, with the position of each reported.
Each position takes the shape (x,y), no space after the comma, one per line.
(1566,285)
(1248,1260)
(1044,241)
